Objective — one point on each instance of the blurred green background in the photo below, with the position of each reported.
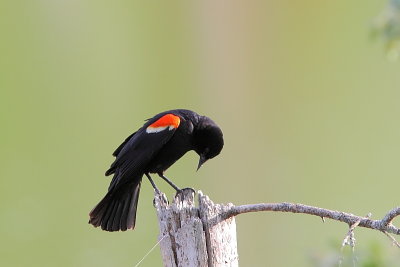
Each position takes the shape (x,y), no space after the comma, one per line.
(309,106)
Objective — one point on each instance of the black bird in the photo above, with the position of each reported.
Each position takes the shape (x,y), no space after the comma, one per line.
(158,144)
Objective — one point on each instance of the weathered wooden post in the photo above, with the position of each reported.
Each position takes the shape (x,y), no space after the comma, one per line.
(206,235)
(195,236)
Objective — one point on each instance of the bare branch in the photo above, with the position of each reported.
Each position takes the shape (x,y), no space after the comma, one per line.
(383,225)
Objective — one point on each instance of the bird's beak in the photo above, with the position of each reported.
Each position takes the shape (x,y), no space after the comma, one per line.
(201,161)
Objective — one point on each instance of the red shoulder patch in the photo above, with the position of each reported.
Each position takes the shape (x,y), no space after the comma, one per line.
(169,121)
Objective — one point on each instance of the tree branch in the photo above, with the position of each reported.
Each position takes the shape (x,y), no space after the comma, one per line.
(384,225)
(391,215)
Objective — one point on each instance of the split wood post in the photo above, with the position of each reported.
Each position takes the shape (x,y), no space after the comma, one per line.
(195,236)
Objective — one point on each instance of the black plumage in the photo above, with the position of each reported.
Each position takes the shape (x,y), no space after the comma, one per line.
(158,144)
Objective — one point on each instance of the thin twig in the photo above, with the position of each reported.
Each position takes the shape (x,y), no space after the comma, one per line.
(395,242)
(349,239)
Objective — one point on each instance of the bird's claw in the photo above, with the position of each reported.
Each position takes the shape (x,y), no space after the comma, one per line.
(184,190)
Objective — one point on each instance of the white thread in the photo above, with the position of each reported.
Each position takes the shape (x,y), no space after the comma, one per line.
(147,254)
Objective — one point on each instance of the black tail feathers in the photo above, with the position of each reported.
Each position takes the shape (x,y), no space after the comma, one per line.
(117,210)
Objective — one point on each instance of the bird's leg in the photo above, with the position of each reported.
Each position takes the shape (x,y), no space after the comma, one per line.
(169,182)
(152,183)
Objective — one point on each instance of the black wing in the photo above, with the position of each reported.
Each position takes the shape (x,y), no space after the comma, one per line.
(136,152)
(119,148)
(111,170)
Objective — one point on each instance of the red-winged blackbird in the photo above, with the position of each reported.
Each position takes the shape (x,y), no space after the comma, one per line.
(153,148)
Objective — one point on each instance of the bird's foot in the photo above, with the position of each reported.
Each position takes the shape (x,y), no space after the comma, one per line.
(185,191)
(160,196)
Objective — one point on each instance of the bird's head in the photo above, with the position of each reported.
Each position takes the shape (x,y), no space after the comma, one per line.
(208,139)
